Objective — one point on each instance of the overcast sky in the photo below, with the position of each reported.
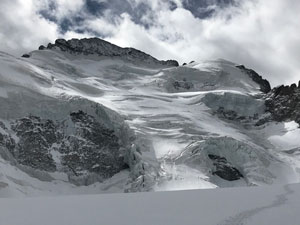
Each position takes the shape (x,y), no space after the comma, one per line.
(262,34)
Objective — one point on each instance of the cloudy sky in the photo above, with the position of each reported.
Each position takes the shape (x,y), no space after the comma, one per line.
(262,34)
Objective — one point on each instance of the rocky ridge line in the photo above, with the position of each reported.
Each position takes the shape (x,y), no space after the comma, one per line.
(92,46)
(265,86)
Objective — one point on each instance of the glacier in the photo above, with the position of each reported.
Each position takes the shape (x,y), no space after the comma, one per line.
(88,117)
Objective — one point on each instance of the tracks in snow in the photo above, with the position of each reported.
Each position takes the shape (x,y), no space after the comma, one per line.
(243,217)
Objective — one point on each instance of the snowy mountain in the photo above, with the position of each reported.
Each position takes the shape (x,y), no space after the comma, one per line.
(87,117)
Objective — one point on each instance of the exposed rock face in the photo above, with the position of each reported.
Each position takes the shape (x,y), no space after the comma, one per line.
(100,47)
(35,140)
(224,169)
(283,103)
(92,147)
(77,145)
(263,83)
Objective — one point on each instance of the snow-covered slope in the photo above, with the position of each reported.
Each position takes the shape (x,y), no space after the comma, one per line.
(276,205)
(76,119)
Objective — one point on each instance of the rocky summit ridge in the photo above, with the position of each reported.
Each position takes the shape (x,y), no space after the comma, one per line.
(97,46)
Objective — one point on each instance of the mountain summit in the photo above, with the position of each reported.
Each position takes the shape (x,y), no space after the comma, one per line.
(96,46)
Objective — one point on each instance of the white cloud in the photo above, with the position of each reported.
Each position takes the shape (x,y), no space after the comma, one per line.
(63,8)
(101,25)
(21,28)
(68,7)
(261,34)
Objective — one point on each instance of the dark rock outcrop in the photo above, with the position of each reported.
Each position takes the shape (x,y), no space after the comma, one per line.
(96,46)
(92,147)
(35,140)
(182,84)
(283,103)
(42,47)
(224,169)
(285,90)
(265,86)
(78,145)
(26,56)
